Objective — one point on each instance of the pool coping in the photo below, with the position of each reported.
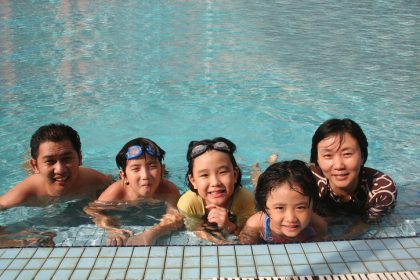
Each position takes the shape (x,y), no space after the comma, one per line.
(212,261)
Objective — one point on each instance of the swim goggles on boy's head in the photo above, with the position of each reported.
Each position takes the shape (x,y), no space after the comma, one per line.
(202,148)
(137,151)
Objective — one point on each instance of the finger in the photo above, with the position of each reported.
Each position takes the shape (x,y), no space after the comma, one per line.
(211,206)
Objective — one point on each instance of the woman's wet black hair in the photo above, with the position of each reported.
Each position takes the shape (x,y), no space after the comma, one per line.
(209,143)
(121,159)
(55,132)
(294,173)
(339,127)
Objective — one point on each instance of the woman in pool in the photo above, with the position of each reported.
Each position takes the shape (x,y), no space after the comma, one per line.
(216,197)
(338,154)
(286,194)
(141,178)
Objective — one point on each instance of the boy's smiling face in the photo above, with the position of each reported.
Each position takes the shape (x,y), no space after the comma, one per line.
(214,177)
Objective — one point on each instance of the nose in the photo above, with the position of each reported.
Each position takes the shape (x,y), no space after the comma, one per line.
(214,180)
(290,216)
(144,173)
(338,162)
(59,167)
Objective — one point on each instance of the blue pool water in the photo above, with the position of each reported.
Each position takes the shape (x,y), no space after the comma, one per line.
(263,73)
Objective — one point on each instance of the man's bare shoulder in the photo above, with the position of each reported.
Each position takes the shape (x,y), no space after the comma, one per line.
(93,177)
(167,187)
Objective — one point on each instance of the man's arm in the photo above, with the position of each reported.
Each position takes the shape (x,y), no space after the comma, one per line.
(19,194)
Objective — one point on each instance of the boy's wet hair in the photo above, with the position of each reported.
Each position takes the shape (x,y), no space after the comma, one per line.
(121,159)
(209,143)
(339,127)
(296,174)
(55,132)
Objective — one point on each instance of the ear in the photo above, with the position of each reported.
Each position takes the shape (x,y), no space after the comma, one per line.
(34,167)
(236,174)
(122,175)
(192,181)
(163,170)
(80,159)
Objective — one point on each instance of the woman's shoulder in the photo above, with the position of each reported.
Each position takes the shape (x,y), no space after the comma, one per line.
(377,179)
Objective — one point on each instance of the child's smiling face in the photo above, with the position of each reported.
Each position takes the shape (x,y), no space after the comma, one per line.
(290,211)
(214,177)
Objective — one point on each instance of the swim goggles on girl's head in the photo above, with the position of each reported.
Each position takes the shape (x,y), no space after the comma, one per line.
(137,151)
(202,148)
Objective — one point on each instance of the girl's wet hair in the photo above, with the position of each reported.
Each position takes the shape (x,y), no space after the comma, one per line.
(296,174)
(144,143)
(55,132)
(219,144)
(339,127)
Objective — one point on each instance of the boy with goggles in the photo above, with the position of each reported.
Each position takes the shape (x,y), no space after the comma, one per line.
(141,177)
(216,204)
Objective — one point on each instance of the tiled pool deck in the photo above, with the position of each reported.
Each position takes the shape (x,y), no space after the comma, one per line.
(206,262)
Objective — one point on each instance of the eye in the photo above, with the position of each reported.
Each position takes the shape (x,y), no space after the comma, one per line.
(203,175)
(153,166)
(348,154)
(327,156)
(279,208)
(302,207)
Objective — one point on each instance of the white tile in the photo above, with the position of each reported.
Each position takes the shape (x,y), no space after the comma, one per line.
(52,263)
(175,251)
(227,261)
(374,266)
(58,252)
(228,271)
(265,271)
(357,267)
(34,263)
(155,263)
(98,274)
(11,253)
(284,270)
(28,274)
(280,259)
(190,273)
(320,269)
(91,252)
(339,268)
(80,274)
(62,274)
(74,252)
(18,264)
(310,248)
(264,260)
(191,251)
(136,263)
(243,250)
(141,252)
(209,251)
(120,263)
(243,271)
(107,252)
(294,248)
(245,260)
(86,263)
(42,253)
(276,249)
(44,274)
(134,274)
(226,250)
(153,274)
(26,253)
(173,263)
(332,257)
(116,274)
(69,263)
(171,273)
(209,272)
(302,270)
(157,252)
(209,261)
(191,262)
(260,250)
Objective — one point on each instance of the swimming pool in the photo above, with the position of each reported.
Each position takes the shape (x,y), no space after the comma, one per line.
(264,74)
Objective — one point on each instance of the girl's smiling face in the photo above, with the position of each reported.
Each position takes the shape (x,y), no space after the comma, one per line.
(214,177)
(289,210)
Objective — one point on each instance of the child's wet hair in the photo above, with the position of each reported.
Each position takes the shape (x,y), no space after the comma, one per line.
(219,144)
(295,174)
(121,159)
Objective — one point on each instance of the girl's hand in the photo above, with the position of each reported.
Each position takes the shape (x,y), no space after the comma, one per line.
(220,216)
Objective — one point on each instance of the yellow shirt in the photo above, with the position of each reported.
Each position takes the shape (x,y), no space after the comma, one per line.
(191,205)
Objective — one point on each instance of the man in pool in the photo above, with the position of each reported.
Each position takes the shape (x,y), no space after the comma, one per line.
(56,163)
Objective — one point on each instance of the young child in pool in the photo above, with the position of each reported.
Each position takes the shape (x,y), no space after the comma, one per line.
(141,177)
(286,194)
(216,196)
